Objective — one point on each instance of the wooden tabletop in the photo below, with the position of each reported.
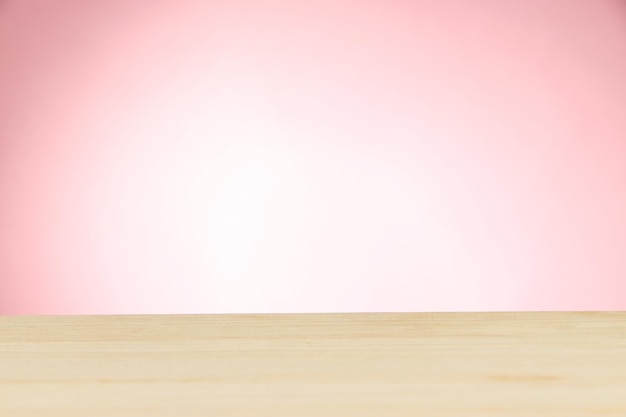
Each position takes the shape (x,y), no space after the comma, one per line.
(361,364)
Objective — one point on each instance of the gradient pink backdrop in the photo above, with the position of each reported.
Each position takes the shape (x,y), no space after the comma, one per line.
(302,156)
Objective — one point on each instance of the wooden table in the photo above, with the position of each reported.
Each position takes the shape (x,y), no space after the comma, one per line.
(382,364)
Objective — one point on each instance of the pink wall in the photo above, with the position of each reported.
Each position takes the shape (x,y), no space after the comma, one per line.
(298,156)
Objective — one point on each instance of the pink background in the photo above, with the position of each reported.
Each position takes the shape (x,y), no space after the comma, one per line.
(302,156)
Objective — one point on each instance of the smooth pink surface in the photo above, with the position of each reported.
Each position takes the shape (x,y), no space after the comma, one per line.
(302,156)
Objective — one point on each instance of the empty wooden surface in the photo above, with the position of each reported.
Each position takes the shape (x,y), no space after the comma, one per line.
(383,364)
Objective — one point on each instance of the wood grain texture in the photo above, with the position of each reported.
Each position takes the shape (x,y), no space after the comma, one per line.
(361,364)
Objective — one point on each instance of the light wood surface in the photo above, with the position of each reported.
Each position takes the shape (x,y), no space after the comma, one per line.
(382,364)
